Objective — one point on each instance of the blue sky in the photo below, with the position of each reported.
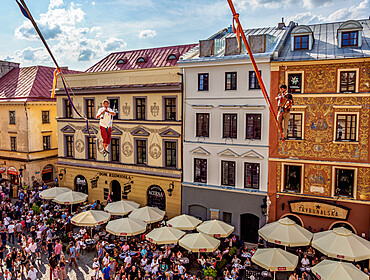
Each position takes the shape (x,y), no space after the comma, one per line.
(81,32)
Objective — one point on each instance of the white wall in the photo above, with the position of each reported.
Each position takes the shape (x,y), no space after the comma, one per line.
(217,95)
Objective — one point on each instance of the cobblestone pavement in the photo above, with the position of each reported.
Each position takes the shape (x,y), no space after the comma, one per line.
(84,270)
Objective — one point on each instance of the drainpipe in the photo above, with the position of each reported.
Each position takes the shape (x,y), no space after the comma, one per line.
(27,140)
(182,130)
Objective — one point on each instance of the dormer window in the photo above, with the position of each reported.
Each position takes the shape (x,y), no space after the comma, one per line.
(140,60)
(301,42)
(350,34)
(172,57)
(301,38)
(350,39)
(121,61)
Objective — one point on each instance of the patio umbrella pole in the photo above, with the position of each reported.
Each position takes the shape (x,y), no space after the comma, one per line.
(274,275)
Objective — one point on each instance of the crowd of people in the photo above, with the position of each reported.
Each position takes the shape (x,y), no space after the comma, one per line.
(35,232)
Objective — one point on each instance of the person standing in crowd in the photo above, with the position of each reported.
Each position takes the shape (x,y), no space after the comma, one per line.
(72,255)
(62,272)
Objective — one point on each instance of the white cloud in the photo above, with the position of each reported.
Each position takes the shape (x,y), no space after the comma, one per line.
(274,4)
(306,18)
(311,4)
(62,27)
(143,34)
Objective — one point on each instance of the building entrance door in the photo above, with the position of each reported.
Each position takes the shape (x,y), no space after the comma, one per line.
(249,225)
(116,191)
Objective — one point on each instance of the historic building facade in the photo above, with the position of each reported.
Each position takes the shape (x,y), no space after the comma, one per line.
(28,147)
(144,161)
(320,176)
(226,130)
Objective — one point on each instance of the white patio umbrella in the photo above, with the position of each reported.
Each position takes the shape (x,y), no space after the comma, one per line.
(53,192)
(341,243)
(121,208)
(148,214)
(90,218)
(275,259)
(215,228)
(165,235)
(126,227)
(332,270)
(71,197)
(286,232)
(184,222)
(199,242)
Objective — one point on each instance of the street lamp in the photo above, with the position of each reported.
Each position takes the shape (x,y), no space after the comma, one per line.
(62,172)
(264,207)
(171,188)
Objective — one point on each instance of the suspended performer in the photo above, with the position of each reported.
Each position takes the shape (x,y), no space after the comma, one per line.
(105,114)
(285,103)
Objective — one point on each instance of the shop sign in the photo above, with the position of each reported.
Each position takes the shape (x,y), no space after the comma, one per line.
(2,169)
(12,171)
(320,209)
(114,175)
(156,197)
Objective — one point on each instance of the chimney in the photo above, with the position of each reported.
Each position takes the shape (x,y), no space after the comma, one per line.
(281,25)
(6,67)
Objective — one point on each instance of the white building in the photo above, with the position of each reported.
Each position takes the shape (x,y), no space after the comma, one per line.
(225,170)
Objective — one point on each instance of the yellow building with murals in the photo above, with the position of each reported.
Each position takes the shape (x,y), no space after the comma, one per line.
(28,146)
(144,161)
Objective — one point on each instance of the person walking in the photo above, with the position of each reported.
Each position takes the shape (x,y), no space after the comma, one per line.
(72,255)
(53,265)
(62,268)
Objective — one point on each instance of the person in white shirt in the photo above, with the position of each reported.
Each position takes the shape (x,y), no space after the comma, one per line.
(305,264)
(105,114)
(127,260)
(32,273)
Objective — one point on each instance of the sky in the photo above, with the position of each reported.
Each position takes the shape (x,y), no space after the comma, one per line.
(81,32)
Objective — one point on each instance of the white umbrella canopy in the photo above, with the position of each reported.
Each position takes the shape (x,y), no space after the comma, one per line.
(184,222)
(215,228)
(286,232)
(275,259)
(53,192)
(148,214)
(199,242)
(341,243)
(71,197)
(121,208)
(90,218)
(332,270)
(126,227)
(165,235)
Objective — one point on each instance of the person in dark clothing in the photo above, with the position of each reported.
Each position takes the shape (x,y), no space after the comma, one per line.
(53,264)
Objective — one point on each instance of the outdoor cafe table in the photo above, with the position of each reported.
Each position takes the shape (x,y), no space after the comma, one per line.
(124,254)
(90,244)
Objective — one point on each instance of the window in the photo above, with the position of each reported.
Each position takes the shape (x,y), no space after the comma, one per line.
(69,146)
(170,109)
(141,151)
(114,149)
(202,129)
(13,143)
(301,42)
(203,82)
(170,153)
(350,39)
(45,116)
(346,127)
(292,178)
(121,61)
(140,60)
(226,217)
(295,83)
(114,105)
(253,126)
(140,108)
(46,142)
(106,193)
(230,81)
(90,108)
(228,173)
(11,117)
(348,81)
(172,57)
(344,182)
(200,170)
(230,128)
(251,175)
(295,126)
(91,151)
(67,109)
(253,81)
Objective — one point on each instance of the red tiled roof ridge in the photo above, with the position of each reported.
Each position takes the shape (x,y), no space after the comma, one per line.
(156,48)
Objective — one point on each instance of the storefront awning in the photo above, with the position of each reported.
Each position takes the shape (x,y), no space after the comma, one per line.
(2,169)
(12,171)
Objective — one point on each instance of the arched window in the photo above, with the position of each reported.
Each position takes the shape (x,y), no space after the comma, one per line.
(302,38)
(140,60)
(350,34)
(81,184)
(172,57)
(121,61)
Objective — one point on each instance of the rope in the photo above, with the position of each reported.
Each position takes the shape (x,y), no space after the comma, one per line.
(237,28)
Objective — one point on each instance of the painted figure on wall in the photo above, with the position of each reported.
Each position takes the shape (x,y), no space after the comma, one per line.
(285,103)
(105,114)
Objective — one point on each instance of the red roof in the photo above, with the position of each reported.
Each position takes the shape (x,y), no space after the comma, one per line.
(157,57)
(29,83)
